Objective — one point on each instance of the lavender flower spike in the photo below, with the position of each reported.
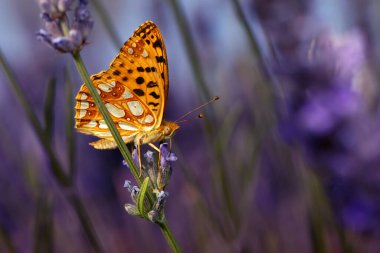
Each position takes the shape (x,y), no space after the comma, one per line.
(135,158)
(166,155)
(165,166)
(60,32)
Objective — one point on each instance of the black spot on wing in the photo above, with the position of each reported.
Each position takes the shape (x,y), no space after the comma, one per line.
(154,104)
(140,69)
(139,92)
(160,59)
(96,77)
(151,84)
(157,43)
(116,72)
(154,94)
(140,80)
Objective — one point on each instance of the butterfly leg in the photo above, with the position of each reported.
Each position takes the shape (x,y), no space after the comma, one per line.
(139,155)
(159,157)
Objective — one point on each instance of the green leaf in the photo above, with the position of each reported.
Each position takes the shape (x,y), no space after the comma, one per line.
(44,223)
(141,197)
(69,119)
(49,107)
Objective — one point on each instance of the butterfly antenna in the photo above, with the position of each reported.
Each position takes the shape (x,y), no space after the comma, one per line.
(179,120)
(199,116)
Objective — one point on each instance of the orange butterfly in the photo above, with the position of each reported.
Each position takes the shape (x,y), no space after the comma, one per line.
(134,90)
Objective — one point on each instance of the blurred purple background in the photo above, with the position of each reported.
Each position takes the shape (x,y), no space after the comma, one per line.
(292,161)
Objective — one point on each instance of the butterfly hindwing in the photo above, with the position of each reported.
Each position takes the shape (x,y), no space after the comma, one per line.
(129,113)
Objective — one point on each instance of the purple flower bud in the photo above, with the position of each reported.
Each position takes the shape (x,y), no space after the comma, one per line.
(161,198)
(53,29)
(153,216)
(47,5)
(149,156)
(63,44)
(135,157)
(166,156)
(128,185)
(64,5)
(43,35)
(60,33)
(76,37)
(83,20)
(165,168)
(131,210)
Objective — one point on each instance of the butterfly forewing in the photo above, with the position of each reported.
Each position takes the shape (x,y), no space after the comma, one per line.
(142,66)
(134,89)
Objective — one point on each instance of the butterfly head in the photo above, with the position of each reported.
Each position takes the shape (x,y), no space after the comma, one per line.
(169,128)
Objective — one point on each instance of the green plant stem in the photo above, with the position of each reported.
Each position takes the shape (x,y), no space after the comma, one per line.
(70,136)
(213,138)
(190,49)
(6,239)
(58,170)
(169,236)
(254,45)
(106,20)
(87,226)
(49,108)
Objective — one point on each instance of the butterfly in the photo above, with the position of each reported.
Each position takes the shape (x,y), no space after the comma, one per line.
(134,90)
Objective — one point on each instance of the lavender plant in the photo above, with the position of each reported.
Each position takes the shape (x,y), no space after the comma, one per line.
(70,37)
(59,33)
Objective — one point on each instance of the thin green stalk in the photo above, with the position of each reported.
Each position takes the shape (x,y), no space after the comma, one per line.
(190,49)
(49,108)
(318,213)
(70,136)
(254,45)
(44,223)
(110,28)
(205,93)
(6,239)
(87,226)
(169,236)
(57,169)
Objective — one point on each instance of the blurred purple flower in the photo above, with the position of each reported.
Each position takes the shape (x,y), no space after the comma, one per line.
(338,129)
(59,32)
(356,205)
(331,109)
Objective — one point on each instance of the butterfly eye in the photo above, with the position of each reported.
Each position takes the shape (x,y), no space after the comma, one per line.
(167,130)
